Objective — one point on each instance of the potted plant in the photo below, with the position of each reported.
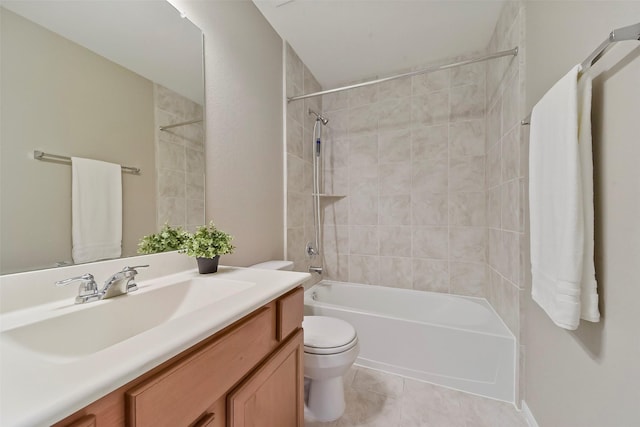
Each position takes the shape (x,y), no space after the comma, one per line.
(207,244)
(168,239)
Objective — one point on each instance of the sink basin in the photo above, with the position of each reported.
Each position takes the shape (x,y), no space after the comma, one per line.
(98,325)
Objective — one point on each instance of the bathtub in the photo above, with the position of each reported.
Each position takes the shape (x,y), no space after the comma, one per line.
(449,340)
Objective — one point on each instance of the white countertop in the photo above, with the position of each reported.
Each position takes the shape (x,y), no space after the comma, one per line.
(36,390)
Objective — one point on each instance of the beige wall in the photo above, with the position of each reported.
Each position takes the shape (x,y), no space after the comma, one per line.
(244,143)
(63,99)
(589,378)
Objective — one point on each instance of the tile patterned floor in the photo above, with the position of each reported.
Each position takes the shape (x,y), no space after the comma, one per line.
(376,399)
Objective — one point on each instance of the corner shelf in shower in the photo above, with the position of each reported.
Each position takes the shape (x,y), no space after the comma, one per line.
(334,196)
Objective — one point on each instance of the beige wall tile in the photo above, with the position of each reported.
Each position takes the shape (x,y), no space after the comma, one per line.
(466,174)
(363,150)
(467,244)
(396,272)
(511,155)
(494,123)
(423,84)
(336,211)
(395,241)
(399,88)
(171,156)
(466,138)
(364,269)
(468,74)
(294,139)
(467,209)
(335,239)
(431,275)
(363,240)
(363,119)
(430,109)
(364,180)
(430,176)
(395,210)
(295,174)
(363,210)
(171,183)
(394,146)
(395,179)
(362,96)
(511,206)
(467,102)
(430,143)
(335,101)
(335,152)
(429,208)
(172,210)
(468,278)
(394,114)
(430,242)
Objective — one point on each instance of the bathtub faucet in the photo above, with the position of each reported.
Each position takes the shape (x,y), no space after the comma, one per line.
(313,269)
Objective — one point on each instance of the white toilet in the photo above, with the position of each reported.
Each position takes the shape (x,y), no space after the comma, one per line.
(330,348)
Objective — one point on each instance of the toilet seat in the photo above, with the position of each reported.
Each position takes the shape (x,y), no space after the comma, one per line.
(327,335)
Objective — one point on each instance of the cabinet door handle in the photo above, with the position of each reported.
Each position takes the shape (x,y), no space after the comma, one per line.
(205,420)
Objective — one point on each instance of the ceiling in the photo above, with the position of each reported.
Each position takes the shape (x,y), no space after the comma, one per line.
(343,41)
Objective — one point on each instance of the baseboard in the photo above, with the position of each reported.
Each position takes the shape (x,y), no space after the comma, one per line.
(526,412)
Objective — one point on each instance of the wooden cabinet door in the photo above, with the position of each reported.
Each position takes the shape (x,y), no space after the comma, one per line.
(273,395)
(181,394)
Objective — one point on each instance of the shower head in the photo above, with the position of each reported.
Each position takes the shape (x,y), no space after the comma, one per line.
(319,117)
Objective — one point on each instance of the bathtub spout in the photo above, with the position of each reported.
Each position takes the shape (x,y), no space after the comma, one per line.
(313,269)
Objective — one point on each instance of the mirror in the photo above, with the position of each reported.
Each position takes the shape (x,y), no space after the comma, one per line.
(97,80)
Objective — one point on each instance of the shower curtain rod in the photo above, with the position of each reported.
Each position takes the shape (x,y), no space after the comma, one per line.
(510,52)
(632,32)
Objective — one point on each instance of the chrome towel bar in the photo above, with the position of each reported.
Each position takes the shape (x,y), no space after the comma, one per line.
(41,155)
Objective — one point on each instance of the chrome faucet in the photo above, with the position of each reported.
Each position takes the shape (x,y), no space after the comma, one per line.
(88,290)
(119,283)
(313,269)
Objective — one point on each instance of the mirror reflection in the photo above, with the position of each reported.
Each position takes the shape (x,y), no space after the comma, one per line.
(97,80)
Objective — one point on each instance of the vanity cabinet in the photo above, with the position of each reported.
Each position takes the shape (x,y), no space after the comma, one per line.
(248,374)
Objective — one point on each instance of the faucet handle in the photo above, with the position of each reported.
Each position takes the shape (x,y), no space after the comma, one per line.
(131,272)
(88,289)
(134,267)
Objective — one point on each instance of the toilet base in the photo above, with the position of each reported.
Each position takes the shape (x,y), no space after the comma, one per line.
(325,400)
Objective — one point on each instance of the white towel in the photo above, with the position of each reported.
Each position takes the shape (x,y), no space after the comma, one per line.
(96,208)
(561,203)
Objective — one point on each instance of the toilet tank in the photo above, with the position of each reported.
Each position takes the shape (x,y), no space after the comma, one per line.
(274,265)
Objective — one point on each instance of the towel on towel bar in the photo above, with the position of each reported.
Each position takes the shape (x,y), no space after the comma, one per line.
(96,210)
(561,203)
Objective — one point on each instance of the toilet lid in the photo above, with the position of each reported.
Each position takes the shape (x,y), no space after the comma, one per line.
(327,335)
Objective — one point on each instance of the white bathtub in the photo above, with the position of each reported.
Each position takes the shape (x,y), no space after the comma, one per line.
(450,340)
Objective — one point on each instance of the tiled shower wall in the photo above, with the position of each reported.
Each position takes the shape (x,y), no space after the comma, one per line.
(299,157)
(408,155)
(179,160)
(507,159)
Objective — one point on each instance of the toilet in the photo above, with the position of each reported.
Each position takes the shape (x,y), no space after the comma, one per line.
(330,348)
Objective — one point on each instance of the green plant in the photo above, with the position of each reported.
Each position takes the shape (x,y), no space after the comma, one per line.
(208,242)
(168,239)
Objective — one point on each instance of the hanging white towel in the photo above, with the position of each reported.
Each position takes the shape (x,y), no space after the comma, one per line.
(561,203)
(96,207)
